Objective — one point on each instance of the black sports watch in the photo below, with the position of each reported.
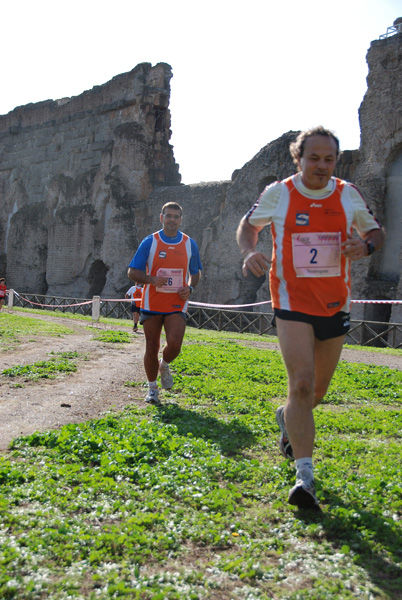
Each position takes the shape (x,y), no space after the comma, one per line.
(370,248)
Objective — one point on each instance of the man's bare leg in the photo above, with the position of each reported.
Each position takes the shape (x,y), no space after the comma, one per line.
(152,331)
(297,344)
(175,327)
(326,357)
(310,365)
(299,361)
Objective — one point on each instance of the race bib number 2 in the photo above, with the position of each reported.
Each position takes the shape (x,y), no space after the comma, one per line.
(174,282)
(317,254)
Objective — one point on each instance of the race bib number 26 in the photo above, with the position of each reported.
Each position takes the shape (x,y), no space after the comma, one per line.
(174,282)
(317,254)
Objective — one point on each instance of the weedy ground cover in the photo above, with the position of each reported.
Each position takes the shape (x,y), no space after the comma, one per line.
(13,328)
(114,337)
(188,500)
(60,362)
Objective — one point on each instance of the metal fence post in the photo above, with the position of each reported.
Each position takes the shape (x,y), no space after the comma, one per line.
(10,299)
(96,308)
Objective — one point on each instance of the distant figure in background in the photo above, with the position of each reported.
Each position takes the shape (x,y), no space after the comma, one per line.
(168,263)
(312,216)
(3,289)
(135,293)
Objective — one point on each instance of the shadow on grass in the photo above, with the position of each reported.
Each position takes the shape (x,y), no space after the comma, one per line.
(346,525)
(232,437)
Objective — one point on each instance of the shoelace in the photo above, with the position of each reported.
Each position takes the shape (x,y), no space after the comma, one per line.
(305,477)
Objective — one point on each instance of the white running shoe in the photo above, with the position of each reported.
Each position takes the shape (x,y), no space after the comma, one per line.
(153,396)
(302,494)
(166,377)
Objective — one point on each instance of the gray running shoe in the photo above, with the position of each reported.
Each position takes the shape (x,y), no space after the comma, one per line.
(302,494)
(284,444)
(153,396)
(166,377)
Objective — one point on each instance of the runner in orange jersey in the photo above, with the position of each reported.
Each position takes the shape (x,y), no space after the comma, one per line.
(169,265)
(312,217)
(3,290)
(135,293)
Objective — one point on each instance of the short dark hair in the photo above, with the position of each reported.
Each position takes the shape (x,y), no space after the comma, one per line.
(173,205)
(297,147)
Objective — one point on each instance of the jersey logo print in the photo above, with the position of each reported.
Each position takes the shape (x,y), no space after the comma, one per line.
(302,218)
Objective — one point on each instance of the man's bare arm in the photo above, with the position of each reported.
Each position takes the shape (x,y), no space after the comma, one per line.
(142,277)
(247,237)
(355,247)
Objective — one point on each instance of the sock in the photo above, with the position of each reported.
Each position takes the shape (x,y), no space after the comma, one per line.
(303,465)
(163,364)
(153,385)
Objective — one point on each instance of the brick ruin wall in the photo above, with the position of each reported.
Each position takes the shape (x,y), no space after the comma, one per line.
(83,181)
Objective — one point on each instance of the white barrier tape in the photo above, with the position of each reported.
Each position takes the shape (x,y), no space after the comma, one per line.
(114,300)
(228,305)
(376,301)
(234,306)
(201,304)
(52,305)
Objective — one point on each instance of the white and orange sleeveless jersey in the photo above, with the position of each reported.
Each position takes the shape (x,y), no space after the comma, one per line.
(137,295)
(309,273)
(170,260)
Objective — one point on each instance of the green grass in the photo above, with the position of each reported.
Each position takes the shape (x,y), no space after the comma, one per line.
(14,328)
(45,369)
(71,316)
(189,500)
(114,337)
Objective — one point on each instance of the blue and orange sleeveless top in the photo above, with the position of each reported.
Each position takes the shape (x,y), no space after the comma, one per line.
(170,260)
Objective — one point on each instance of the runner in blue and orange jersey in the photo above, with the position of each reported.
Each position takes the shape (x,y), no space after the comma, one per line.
(312,217)
(168,263)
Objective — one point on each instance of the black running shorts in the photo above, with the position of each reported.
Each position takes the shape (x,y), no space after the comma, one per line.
(144,316)
(324,327)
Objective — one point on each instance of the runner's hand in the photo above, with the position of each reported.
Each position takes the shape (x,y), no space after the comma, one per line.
(354,248)
(184,292)
(257,263)
(159,281)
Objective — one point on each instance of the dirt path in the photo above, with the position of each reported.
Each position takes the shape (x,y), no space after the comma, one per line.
(97,386)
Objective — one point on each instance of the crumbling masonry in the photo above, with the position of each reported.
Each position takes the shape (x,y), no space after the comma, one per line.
(82,180)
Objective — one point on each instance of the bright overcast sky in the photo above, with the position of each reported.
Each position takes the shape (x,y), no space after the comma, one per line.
(244,71)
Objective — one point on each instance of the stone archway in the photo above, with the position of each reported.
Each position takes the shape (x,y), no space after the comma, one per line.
(97,278)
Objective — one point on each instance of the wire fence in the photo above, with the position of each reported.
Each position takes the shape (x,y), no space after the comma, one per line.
(362,333)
